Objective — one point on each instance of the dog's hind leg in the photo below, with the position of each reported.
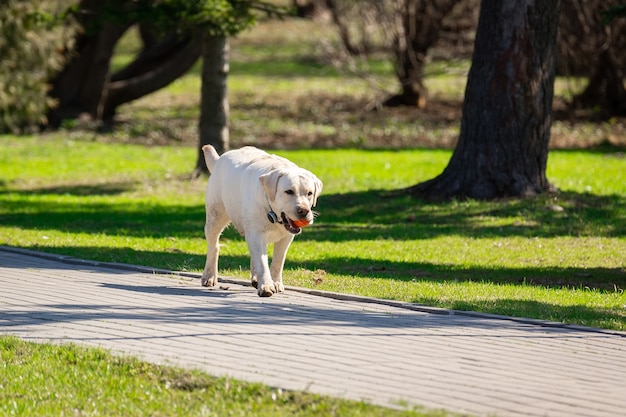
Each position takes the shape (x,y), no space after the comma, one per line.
(216,221)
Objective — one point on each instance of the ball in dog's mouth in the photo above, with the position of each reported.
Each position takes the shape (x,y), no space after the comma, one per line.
(301,223)
(290,225)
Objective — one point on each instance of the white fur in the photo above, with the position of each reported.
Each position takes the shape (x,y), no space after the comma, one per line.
(245,184)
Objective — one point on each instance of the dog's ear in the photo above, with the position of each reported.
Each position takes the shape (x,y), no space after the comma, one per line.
(318,189)
(269,182)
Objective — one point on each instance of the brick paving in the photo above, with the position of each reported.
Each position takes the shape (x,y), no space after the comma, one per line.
(391,354)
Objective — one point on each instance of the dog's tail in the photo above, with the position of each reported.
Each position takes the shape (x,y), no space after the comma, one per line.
(210,156)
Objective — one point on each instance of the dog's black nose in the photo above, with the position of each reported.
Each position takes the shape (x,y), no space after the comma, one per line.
(303,212)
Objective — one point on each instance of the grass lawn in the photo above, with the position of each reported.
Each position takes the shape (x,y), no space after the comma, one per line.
(73,381)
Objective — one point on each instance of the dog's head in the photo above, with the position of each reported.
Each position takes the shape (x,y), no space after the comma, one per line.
(292,193)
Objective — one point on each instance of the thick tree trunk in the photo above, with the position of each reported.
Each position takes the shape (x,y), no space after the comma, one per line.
(82,85)
(505,130)
(153,69)
(214,110)
(154,53)
(86,87)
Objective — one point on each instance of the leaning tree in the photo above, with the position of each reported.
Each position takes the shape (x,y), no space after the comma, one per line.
(502,149)
(175,33)
(87,85)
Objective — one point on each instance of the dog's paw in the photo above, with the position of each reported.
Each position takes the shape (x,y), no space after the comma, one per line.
(278,286)
(208,281)
(254,282)
(266,290)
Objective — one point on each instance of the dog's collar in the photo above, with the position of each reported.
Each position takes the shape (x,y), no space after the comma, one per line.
(273,217)
(271,214)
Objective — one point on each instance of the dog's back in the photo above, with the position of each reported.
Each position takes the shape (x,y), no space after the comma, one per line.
(234,182)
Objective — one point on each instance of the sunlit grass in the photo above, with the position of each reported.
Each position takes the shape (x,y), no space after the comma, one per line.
(49,380)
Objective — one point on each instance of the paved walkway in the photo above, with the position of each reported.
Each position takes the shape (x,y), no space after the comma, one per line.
(353,348)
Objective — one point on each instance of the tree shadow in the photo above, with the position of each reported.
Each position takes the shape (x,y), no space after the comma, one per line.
(90,216)
(375,214)
(247,314)
(107,189)
(288,67)
(400,271)
(603,279)
(594,317)
(615,150)
(365,215)
(131,260)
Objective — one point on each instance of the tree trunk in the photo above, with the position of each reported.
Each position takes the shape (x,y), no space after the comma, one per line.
(505,130)
(410,72)
(213,126)
(82,85)
(605,90)
(422,21)
(154,68)
(590,46)
(310,9)
(86,87)
(342,28)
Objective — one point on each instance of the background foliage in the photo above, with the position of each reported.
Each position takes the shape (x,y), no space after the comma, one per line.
(30,53)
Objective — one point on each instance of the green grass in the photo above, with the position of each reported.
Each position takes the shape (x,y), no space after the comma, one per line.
(558,257)
(49,380)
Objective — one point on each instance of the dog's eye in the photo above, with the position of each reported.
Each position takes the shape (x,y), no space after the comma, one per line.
(290,192)
(310,193)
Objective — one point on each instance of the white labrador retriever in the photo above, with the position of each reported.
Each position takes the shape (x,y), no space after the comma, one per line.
(267,198)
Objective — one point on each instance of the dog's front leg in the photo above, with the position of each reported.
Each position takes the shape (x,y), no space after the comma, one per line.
(216,221)
(259,266)
(278,261)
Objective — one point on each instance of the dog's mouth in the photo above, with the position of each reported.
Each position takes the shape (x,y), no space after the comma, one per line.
(289,224)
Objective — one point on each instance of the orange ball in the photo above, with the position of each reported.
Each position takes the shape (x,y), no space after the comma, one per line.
(301,223)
